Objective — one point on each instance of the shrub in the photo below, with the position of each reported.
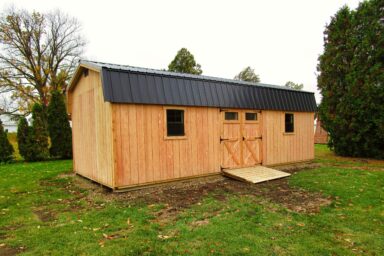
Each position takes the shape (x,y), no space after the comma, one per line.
(23,133)
(6,149)
(37,142)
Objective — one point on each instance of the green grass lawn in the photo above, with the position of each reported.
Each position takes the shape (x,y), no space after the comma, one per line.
(46,211)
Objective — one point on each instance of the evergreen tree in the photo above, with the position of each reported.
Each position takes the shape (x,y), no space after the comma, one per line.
(6,149)
(351,81)
(23,136)
(59,128)
(184,62)
(366,81)
(38,135)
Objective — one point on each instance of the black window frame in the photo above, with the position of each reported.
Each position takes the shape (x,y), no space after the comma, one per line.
(231,119)
(175,124)
(251,113)
(289,123)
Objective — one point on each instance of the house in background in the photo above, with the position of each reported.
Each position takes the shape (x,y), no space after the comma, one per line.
(321,135)
(9,124)
(136,126)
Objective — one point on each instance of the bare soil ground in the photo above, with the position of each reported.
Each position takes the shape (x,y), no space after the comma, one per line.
(180,195)
(9,251)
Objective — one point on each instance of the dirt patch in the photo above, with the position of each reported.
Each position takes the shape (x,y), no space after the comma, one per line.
(44,215)
(177,195)
(294,199)
(166,214)
(3,237)
(183,194)
(85,194)
(9,251)
(293,168)
(66,175)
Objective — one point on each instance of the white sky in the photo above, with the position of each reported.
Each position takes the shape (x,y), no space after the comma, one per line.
(281,39)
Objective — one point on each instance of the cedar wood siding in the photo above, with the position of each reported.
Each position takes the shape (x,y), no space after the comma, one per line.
(280,147)
(92,130)
(143,153)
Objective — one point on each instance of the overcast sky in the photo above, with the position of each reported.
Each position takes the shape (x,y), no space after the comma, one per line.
(281,39)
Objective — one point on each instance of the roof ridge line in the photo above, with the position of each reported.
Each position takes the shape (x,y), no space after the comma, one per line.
(186,75)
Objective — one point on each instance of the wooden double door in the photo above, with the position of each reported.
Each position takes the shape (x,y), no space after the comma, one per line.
(241,138)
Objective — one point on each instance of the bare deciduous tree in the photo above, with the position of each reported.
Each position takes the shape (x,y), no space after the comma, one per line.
(38,53)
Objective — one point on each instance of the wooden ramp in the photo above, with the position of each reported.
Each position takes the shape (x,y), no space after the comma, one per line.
(255,174)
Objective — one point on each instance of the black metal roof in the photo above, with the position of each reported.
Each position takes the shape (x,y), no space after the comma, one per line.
(126,84)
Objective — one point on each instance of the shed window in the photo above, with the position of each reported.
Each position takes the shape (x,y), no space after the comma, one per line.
(231,116)
(289,123)
(251,116)
(175,122)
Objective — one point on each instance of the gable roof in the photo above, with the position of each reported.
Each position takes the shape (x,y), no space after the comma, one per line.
(126,84)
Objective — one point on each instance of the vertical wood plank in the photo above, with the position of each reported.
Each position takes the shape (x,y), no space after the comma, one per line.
(194,140)
(126,147)
(118,140)
(148,143)
(162,144)
(211,151)
(140,128)
(155,144)
(176,158)
(133,147)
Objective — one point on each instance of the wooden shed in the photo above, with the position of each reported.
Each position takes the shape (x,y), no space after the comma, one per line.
(136,126)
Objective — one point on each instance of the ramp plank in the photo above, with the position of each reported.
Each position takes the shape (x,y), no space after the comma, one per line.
(255,174)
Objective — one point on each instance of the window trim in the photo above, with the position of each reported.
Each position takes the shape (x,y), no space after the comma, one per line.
(294,125)
(223,111)
(166,137)
(252,121)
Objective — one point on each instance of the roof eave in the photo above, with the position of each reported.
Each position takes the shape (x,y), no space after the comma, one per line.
(78,72)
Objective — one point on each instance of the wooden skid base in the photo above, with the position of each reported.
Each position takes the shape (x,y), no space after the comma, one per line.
(163,182)
(255,174)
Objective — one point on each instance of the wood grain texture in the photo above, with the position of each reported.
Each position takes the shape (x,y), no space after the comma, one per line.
(279,147)
(241,140)
(255,174)
(146,154)
(92,131)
